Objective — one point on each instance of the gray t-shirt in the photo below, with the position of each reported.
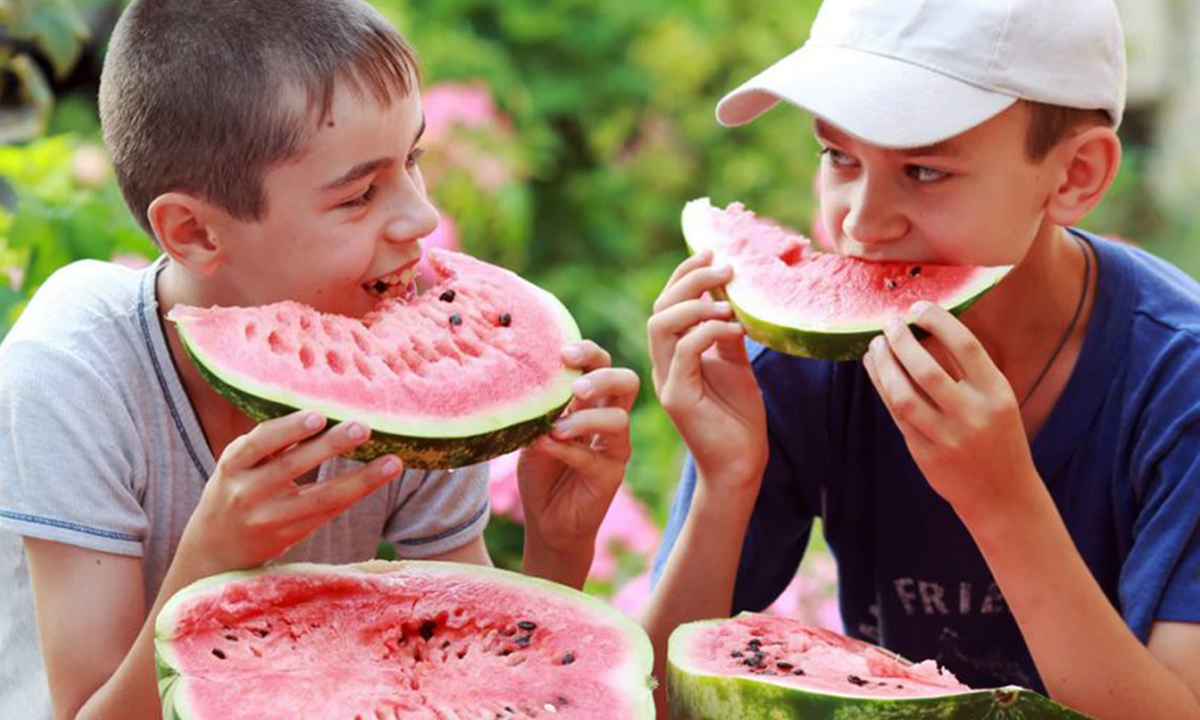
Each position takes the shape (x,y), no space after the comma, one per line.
(100,448)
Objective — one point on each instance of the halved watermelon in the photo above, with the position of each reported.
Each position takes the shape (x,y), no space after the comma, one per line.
(756,667)
(396,641)
(797,300)
(465,371)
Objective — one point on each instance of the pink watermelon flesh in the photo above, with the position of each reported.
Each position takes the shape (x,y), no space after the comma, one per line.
(793,653)
(385,647)
(474,340)
(821,288)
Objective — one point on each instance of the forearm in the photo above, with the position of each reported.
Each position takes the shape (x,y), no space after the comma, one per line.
(1085,653)
(697,581)
(131,692)
(568,568)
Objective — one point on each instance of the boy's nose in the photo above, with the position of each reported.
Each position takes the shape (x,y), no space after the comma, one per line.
(415,220)
(873,218)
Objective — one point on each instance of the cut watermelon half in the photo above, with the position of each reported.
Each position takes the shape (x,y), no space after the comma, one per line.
(396,641)
(797,300)
(757,666)
(465,371)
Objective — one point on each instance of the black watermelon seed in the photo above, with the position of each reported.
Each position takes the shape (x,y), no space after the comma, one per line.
(505,319)
(784,665)
(914,271)
(220,654)
(797,671)
(506,652)
(447,296)
(445,644)
(568,658)
(890,283)
(507,709)
(526,625)
(754,644)
(523,641)
(231,638)
(855,680)
(735,653)
(562,700)
(456,319)
(427,628)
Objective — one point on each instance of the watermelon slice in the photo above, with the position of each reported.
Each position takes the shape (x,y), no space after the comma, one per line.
(797,300)
(394,641)
(465,371)
(758,666)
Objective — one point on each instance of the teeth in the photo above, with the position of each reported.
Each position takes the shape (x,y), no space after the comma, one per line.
(401,278)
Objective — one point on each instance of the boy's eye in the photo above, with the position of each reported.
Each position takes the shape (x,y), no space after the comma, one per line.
(413,157)
(923,174)
(837,158)
(361,199)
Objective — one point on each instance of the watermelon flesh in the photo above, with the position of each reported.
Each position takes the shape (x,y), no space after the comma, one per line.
(397,640)
(472,364)
(759,666)
(797,299)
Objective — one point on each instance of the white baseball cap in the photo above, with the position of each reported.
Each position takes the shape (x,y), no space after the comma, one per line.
(908,73)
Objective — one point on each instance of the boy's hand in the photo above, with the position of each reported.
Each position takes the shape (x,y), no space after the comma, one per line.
(965,434)
(252,509)
(702,374)
(568,477)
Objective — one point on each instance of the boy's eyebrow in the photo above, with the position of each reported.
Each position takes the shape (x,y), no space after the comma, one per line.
(946,148)
(363,169)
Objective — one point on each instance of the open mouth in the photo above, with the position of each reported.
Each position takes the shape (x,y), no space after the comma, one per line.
(398,284)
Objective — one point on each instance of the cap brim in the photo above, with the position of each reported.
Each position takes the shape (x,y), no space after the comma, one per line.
(882,100)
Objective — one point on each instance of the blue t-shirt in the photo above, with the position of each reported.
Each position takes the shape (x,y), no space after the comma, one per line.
(1120,454)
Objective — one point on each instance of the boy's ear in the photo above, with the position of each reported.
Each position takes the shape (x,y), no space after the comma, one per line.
(184,226)
(1090,160)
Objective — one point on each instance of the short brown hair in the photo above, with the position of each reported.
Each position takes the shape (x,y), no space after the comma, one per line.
(1051,124)
(192,95)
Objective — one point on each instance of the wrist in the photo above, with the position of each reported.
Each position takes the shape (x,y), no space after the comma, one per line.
(568,565)
(998,519)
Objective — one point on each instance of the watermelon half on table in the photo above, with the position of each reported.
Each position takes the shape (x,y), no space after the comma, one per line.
(464,371)
(801,301)
(411,640)
(760,667)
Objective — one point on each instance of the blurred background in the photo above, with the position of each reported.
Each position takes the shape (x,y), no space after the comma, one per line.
(563,138)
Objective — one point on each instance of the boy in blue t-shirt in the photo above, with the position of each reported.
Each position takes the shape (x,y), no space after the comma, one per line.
(1018,496)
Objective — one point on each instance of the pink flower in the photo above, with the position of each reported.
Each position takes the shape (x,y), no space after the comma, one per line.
(16,275)
(444,236)
(631,599)
(447,104)
(628,526)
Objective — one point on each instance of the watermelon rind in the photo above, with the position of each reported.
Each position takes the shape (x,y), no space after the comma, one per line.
(768,324)
(421,443)
(632,678)
(697,694)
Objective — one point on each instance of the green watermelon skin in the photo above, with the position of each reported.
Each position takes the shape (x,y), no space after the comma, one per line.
(415,452)
(697,697)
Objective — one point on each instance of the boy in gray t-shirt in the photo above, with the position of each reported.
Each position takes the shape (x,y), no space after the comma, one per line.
(270,147)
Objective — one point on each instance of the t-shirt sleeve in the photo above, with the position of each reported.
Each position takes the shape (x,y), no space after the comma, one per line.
(68,452)
(445,510)
(1160,579)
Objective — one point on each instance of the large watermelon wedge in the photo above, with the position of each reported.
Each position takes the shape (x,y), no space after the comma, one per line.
(758,667)
(396,641)
(467,370)
(800,301)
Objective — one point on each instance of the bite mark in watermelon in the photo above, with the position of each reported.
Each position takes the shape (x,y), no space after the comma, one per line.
(388,641)
(465,371)
(798,300)
(756,667)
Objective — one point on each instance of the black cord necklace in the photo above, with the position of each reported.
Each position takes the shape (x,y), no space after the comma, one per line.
(1062,342)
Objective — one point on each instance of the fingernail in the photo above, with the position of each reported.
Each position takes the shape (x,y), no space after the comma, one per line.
(391,467)
(313,420)
(582,387)
(724,268)
(357,431)
(877,344)
(921,306)
(724,308)
(893,326)
(562,428)
(572,353)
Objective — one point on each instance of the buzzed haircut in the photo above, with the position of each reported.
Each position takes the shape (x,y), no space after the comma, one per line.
(1051,124)
(194,93)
